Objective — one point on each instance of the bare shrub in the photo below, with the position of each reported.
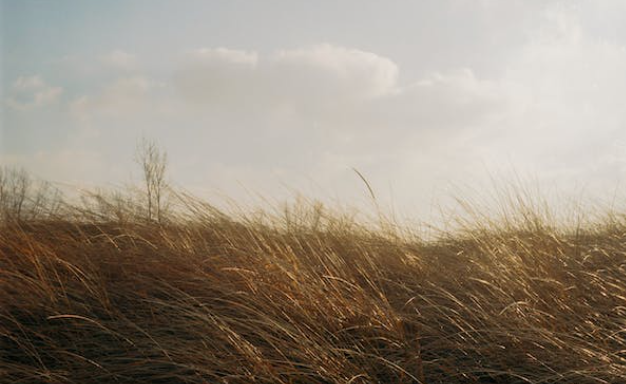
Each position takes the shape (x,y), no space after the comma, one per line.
(153,162)
(24,198)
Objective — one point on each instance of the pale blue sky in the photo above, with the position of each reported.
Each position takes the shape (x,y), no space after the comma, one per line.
(418,95)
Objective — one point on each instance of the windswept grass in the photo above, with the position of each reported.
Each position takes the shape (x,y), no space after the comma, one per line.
(100,295)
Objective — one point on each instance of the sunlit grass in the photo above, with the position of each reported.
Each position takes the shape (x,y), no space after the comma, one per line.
(95,293)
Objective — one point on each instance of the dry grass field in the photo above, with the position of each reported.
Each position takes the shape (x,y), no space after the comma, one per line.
(95,292)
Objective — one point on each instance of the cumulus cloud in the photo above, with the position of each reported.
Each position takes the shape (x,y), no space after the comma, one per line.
(291,109)
(332,85)
(126,96)
(29,92)
(217,74)
(312,77)
(332,72)
(28,83)
(553,108)
(225,55)
(439,102)
(346,94)
(120,60)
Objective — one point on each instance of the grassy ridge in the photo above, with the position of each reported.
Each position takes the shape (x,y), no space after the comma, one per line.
(203,298)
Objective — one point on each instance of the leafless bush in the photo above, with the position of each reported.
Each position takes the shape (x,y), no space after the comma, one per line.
(24,198)
(153,162)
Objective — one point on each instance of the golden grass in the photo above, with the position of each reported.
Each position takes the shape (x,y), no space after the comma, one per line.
(99,295)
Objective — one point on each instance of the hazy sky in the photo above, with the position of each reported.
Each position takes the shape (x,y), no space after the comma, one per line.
(274,96)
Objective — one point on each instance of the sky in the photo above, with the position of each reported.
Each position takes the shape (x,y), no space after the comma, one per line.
(271,98)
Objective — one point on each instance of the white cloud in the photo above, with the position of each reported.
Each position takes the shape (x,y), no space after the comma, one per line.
(307,78)
(120,60)
(343,92)
(354,98)
(126,96)
(294,107)
(29,92)
(217,74)
(439,102)
(232,56)
(554,108)
(329,71)
(28,83)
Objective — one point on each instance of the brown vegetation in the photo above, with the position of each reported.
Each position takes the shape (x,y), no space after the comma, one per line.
(93,293)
